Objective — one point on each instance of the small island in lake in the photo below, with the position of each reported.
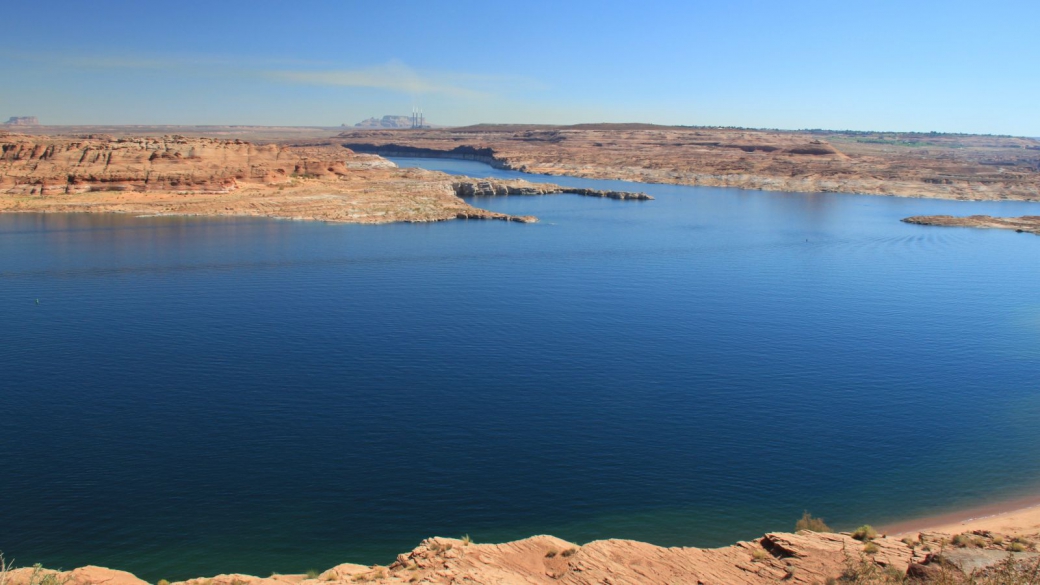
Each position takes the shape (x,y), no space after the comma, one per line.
(1023,224)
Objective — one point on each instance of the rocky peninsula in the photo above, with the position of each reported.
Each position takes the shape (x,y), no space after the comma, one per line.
(178,175)
(1023,224)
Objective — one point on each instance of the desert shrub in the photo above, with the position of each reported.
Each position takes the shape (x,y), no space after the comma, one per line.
(807,522)
(38,577)
(865,533)
(1017,547)
(466,540)
(894,575)
(961,540)
(162,582)
(311,574)
(569,552)
(1010,571)
(867,572)
(551,553)
(998,539)
(759,554)
(871,548)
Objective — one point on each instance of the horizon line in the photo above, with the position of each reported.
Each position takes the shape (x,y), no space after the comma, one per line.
(9,127)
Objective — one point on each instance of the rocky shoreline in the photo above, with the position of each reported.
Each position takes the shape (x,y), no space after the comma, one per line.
(497,188)
(962,167)
(804,557)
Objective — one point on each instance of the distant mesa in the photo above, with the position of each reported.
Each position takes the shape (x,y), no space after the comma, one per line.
(390,122)
(22,121)
(386,122)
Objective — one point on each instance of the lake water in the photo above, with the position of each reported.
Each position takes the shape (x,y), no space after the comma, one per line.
(193,396)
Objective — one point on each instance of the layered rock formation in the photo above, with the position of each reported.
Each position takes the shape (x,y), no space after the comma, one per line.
(174,175)
(41,166)
(911,165)
(1023,224)
(805,557)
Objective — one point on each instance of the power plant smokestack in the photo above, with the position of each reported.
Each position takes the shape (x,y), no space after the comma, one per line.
(418,118)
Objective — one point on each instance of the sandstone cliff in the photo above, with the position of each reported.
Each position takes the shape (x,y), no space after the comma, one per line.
(33,165)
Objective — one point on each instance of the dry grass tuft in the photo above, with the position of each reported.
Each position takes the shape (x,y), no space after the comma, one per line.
(807,522)
(865,533)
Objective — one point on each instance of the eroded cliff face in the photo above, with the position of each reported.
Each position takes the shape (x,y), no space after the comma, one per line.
(45,166)
(805,557)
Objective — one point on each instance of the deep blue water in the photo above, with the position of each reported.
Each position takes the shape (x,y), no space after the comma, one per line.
(193,396)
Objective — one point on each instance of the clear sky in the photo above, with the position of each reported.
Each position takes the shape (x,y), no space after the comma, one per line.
(879,65)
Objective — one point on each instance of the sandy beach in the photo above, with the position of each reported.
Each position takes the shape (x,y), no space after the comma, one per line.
(1016,517)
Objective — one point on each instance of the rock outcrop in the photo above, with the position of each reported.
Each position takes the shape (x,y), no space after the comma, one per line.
(495,188)
(1023,224)
(89,575)
(805,557)
(46,166)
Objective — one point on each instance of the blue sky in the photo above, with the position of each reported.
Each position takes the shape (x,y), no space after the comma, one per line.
(945,66)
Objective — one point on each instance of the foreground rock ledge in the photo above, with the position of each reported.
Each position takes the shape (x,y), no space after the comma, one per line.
(175,175)
(1023,224)
(805,557)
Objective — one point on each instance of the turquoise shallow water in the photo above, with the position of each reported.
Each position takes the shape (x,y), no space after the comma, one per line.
(194,396)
